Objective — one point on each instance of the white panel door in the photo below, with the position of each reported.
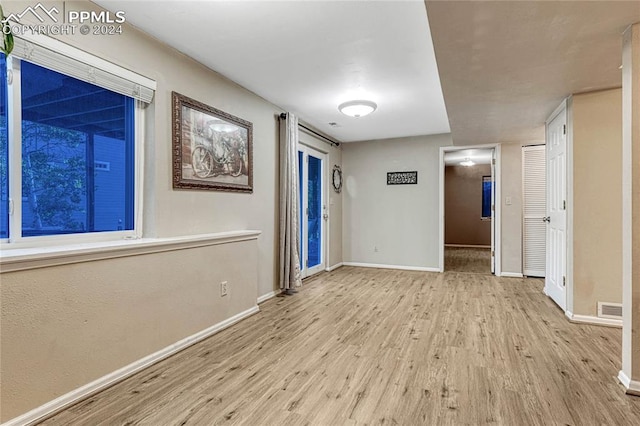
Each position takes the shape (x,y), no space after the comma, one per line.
(556,268)
(534,210)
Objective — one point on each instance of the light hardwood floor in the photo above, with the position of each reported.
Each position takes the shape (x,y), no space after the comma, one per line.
(465,259)
(366,346)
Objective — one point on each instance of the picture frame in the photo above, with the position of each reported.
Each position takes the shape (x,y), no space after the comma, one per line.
(336,178)
(212,149)
(402,178)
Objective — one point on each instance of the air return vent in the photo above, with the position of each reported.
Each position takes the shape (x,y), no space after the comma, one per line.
(610,310)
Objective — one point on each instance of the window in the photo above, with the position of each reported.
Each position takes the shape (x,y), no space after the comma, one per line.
(68,125)
(69,149)
(4,152)
(487,187)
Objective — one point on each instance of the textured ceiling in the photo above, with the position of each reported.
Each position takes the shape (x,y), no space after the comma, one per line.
(505,66)
(309,56)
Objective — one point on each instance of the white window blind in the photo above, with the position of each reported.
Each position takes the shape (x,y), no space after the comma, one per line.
(58,56)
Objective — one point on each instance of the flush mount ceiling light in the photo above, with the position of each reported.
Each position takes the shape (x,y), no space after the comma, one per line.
(467,162)
(357,108)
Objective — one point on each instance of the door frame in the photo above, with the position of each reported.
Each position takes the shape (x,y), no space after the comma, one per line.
(324,156)
(497,212)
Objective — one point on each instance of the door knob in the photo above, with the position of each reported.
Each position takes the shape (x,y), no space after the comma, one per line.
(547,219)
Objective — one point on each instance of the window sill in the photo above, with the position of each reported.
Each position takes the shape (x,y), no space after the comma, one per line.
(31,258)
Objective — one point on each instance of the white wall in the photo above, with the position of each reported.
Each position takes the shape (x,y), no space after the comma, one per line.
(66,326)
(511,215)
(597,199)
(400,220)
(630,211)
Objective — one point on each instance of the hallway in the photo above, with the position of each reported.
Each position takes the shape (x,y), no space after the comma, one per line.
(471,260)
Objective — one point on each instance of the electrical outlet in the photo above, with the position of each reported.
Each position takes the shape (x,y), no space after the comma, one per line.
(224,288)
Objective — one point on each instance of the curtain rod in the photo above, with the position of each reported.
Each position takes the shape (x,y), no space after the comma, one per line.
(283,116)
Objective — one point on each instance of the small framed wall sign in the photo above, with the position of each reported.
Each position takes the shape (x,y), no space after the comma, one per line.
(402,178)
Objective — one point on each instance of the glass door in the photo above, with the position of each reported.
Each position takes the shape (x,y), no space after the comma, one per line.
(311,170)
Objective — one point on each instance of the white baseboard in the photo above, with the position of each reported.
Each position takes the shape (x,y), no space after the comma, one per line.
(50,408)
(632,387)
(405,268)
(467,246)
(334,267)
(624,379)
(591,320)
(511,275)
(267,296)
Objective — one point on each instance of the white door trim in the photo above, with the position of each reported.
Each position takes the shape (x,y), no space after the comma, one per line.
(494,179)
(497,213)
(569,249)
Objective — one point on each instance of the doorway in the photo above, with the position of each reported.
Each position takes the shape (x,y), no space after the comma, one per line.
(312,210)
(469,211)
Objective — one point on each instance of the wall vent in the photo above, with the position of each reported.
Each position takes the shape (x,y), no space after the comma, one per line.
(610,310)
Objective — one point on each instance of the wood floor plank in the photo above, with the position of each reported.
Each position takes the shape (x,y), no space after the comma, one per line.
(364,346)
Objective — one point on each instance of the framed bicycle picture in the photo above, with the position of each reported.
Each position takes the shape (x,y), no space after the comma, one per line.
(212,149)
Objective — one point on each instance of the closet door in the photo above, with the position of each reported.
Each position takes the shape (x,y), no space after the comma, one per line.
(534,210)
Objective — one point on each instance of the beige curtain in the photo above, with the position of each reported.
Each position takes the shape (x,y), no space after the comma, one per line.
(289,219)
